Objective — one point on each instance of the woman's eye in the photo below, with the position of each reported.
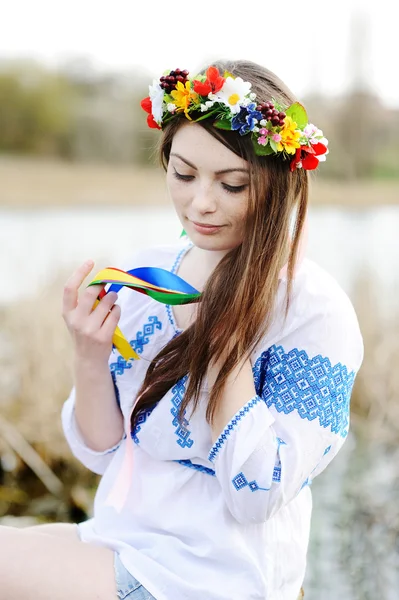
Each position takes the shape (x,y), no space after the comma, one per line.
(234,189)
(182,177)
(231,189)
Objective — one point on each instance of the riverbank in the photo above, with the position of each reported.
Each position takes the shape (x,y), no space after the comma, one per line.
(30,183)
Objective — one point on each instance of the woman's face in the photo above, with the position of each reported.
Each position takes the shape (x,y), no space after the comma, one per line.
(208,185)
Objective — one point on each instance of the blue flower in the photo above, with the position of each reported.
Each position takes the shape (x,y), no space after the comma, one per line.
(244,121)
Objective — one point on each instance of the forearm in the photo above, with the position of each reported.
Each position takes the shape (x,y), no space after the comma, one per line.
(238,390)
(98,415)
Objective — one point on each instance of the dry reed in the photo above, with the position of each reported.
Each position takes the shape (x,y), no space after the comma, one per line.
(375,398)
(35,363)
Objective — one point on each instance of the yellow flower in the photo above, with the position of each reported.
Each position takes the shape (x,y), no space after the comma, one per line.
(289,137)
(183,96)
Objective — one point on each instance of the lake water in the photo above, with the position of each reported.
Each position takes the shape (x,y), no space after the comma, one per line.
(354,548)
(36,244)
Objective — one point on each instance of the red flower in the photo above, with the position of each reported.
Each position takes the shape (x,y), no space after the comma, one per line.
(213,83)
(306,156)
(146,105)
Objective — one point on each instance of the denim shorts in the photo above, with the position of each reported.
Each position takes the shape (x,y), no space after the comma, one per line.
(127,586)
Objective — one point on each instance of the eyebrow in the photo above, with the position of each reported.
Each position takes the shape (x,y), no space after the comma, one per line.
(221,172)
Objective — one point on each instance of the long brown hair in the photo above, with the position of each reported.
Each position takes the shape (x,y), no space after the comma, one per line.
(238,299)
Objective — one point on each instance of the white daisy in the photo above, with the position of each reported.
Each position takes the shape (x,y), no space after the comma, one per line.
(233,93)
(156,96)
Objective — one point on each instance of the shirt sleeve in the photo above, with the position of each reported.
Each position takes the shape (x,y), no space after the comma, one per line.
(298,420)
(93,460)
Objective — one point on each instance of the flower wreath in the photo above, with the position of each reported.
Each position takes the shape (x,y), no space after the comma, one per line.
(228,100)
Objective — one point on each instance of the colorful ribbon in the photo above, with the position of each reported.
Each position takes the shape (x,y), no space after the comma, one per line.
(161,285)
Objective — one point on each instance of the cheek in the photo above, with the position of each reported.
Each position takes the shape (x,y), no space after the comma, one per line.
(174,189)
(236,208)
(169,180)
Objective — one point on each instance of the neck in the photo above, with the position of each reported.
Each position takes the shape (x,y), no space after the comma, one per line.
(204,263)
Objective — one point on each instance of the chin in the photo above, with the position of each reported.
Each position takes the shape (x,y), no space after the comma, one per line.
(214,243)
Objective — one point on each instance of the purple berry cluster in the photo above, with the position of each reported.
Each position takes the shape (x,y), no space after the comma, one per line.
(168,82)
(270,113)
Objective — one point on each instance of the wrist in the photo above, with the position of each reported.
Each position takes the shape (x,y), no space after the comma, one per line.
(89,365)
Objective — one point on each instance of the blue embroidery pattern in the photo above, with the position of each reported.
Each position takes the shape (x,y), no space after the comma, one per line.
(143,416)
(311,386)
(178,259)
(142,338)
(114,449)
(277,473)
(120,365)
(117,395)
(233,423)
(305,483)
(183,434)
(170,315)
(277,468)
(308,479)
(240,482)
(191,465)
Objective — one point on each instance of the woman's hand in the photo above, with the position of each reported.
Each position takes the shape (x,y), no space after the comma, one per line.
(91,330)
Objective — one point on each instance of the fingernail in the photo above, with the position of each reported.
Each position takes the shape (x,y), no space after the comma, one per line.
(89,263)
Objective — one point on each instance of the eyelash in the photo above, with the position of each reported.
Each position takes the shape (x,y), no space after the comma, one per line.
(230,189)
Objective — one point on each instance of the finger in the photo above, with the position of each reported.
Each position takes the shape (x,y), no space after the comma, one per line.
(88,299)
(70,295)
(111,321)
(101,311)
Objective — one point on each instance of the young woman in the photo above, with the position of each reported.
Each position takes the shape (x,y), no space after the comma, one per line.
(208,444)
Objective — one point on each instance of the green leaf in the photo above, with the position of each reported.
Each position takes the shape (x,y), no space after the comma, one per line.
(273,145)
(298,114)
(278,105)
(262,150)
(223,124)
(205,115)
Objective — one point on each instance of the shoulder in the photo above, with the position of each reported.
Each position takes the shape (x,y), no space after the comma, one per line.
(321,320)
(316,290)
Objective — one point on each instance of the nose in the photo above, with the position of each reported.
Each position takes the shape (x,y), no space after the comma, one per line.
(203,200)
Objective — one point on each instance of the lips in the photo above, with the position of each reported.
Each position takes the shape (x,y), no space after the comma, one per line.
(206,229)
(206,225)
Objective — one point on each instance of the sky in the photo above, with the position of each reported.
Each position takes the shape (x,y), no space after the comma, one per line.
(310,44)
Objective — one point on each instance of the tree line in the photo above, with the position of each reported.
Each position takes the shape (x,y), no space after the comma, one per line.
(77,115)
